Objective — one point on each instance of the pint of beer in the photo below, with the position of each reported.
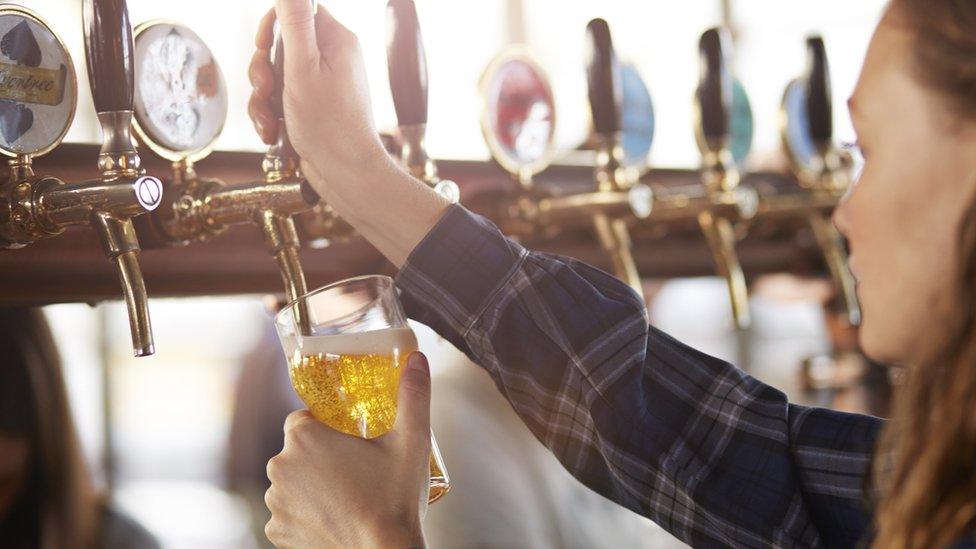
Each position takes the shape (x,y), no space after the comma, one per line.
(345,365)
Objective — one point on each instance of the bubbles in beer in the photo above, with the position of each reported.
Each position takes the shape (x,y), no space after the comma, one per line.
(349,382)
(355,394)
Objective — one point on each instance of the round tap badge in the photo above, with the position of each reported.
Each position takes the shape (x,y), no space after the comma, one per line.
(742,123)
(637,117)
(38,90)
(181,98)
(518,119)
(796,126)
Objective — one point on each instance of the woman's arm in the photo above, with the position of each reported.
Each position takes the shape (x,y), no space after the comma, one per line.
(709,453)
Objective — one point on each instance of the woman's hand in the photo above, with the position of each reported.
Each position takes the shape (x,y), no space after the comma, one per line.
(326,97)
(330,489)
(330,123)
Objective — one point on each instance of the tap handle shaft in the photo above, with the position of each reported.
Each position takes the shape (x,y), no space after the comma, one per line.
(819,107)
(603,78)
(109,49)
(407,62)
(715,88)
(278,68)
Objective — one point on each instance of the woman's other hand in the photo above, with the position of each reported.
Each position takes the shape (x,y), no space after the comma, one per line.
(330,489)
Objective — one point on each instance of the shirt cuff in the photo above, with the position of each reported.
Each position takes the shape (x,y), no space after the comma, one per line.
(453,275)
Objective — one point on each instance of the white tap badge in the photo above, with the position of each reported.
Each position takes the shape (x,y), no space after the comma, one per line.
(149,192)
(181,98)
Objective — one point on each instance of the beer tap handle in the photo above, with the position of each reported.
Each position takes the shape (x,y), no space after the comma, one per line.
(715,90)
(109,49)
(819,107)
(108,42)
(407,65)
(603,79)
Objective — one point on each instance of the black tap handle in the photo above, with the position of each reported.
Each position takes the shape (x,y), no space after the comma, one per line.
(603,78)
(715,85)
(109,49)
(819,107)
(407,62)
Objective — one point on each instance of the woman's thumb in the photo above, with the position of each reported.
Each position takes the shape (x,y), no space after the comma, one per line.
(413,415)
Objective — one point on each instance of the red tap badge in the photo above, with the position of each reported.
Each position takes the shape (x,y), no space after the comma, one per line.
(520,110)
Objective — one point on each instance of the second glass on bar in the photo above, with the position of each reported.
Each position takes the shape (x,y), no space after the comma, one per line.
(347,367)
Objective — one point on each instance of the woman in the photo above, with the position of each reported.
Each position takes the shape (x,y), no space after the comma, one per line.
(714,456)
(46,496)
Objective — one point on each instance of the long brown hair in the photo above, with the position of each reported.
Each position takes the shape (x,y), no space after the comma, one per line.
(56,506)
(926,462)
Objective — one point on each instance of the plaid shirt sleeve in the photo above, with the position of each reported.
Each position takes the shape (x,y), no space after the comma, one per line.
(712,455)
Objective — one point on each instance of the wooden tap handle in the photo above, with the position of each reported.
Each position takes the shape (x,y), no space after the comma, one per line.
(603,78)
(407,62)
(715,85)
(109,52)
(819,107)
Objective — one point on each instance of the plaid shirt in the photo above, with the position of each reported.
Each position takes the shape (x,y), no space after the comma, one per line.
(712,455)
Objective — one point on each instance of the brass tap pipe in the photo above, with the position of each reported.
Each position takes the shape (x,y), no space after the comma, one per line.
(796,205)
(121,246)
(74,203)
(281,239)
(240,203)
(578,209)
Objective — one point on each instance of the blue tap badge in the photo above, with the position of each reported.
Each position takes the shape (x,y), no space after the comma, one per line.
(637,117)
(797,125)
(742,124)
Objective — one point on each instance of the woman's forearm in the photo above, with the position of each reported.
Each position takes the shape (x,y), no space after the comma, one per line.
(386,205)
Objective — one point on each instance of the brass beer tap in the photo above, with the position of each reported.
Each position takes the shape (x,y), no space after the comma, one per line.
(720,175)
(34,207)
(407,65)
(806,123)
(615,182)
(197,208)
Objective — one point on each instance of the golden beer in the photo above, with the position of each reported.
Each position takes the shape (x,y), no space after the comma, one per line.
(350,382)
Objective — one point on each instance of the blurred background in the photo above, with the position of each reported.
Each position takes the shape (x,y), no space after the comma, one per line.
(180,437)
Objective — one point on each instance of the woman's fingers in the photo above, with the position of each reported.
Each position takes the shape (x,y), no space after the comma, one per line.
(264,121)
(265,35)
(296,21)
(261,74)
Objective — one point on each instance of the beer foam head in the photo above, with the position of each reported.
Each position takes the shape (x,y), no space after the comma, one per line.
(388,341)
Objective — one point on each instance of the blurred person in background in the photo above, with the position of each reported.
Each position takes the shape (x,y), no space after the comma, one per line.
(47,499)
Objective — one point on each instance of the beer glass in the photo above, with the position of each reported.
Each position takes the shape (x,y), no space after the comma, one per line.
(346,344)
